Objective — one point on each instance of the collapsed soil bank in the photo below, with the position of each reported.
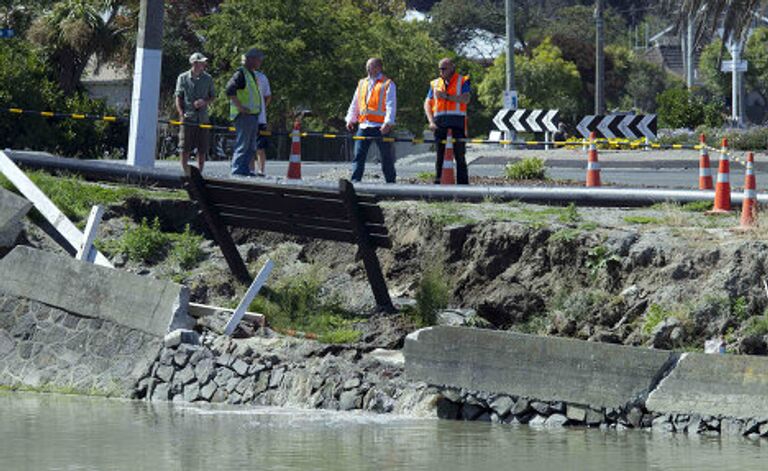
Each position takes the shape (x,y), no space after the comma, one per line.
(586,274)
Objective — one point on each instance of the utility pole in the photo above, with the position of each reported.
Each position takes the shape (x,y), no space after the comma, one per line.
(599,59)
(142,140)
(510,45)
(689,45)
(510,92)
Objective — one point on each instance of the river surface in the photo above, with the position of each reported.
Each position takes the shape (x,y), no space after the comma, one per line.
(54,432)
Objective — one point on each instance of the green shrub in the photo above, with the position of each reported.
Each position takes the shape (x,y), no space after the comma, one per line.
(432,296)
(598,259)
(27,83)
(757,325)
(569,215)
(428,177)
(657,314)
(186,249)
(680,108)
(296,302)
(697,206)
(530,168)
(641,220)
(145,243)
(565,235)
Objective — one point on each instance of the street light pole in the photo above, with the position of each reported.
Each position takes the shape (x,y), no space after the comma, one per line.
(600,59)
(142,139)
(510,88)
(510,44)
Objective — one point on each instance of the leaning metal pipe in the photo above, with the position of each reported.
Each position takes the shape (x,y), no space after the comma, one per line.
(112,171)
(603,196)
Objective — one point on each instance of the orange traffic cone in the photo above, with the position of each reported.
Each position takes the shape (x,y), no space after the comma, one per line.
(749,206)
(448,176)
(705,169)
(294,164)
(593,166)
(723,186)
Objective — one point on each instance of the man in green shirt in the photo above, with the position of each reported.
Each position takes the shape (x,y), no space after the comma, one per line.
(194,92)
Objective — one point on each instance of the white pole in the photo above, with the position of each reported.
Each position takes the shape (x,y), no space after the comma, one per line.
(142,139)
(45,206)
(735,83)
(251,293)
(86,251)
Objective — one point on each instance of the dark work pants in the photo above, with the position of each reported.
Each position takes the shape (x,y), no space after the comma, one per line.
(459,152)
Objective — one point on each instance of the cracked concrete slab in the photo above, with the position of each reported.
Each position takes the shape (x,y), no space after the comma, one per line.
(138,302)
(545,368)
(13,208)
(718,385)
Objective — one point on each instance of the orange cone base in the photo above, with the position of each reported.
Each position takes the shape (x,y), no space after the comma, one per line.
(448,177)
(294,172)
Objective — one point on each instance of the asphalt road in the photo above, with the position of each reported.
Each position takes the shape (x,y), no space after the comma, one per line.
(663,169)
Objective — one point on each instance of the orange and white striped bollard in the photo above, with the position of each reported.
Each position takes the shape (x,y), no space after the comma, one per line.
(448,175)
(593,166)
(294,161)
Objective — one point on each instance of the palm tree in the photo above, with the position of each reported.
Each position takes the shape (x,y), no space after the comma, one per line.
(71,31)
(734,16)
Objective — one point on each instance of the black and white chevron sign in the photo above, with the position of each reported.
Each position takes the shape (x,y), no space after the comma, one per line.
(527,120)
(629,126)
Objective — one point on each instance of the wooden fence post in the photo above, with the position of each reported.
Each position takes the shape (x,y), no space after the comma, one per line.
(367,250)
(196,188)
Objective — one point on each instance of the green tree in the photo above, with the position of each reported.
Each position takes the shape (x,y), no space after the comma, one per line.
(25,83)
(545,80)
(679,107)
(71,31)
(646,81)
(716,83)
(734,16)
(756,54)
(316,51)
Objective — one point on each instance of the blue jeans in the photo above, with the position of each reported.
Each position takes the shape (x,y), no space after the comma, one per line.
(361,153)
(247,132)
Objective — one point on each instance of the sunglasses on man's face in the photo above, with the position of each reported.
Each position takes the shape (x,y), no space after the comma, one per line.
(443,68)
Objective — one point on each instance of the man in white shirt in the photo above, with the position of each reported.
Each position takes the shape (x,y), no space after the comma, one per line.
(373,109)
(262,142)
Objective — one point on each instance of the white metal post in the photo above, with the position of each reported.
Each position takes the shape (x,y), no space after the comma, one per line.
(87,251)
(251,293)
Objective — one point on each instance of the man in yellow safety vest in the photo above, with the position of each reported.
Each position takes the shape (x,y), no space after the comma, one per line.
(373,109)
(246,104)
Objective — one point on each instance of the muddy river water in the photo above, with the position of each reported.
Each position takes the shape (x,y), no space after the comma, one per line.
(55,432)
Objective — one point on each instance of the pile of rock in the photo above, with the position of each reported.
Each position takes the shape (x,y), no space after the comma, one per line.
(460,404)
(281,371)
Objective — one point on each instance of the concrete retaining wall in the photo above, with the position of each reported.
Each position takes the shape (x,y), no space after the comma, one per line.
(12,210)
(45,347)
(68,324)
(545,368)
(137,302)
(720,385)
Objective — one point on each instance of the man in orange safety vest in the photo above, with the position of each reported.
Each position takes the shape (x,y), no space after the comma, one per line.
(446,108)
(373,109)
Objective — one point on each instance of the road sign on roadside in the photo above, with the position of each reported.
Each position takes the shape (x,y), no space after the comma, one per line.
(728,66)
(613,126)
(7,33)
(527,120)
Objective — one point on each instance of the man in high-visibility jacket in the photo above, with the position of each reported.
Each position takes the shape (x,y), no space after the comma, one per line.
(245,107)
(446,108)
(373,109)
